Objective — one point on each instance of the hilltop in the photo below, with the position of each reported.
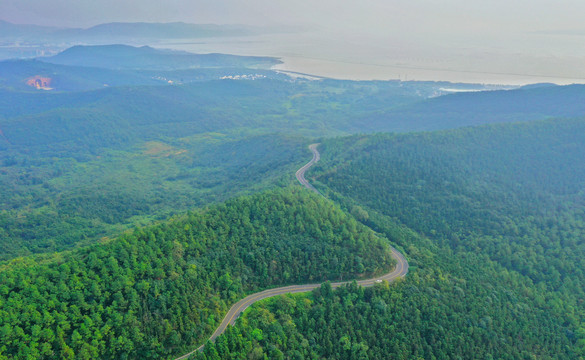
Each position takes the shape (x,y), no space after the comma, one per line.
(491,219)
(148,58)
(161,290)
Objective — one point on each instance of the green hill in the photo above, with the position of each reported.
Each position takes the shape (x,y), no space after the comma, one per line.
(492,219)
(159,291)
(56,203)
(486,107)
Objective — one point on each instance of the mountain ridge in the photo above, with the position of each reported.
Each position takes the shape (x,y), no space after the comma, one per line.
(119,56)
(134,30)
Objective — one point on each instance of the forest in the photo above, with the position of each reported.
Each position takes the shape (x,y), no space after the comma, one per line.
(63,149)
(78,167)
(491,219)
(157,291)
(133,215)
(66,202)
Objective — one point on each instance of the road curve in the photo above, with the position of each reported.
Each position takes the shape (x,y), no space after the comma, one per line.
(300,174)
(399,272)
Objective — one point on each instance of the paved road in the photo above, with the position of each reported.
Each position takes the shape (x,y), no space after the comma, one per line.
(300,174)
(399,272)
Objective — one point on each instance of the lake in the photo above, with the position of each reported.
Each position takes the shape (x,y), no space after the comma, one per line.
(535,58)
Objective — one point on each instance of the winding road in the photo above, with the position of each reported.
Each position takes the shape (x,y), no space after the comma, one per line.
(399,272)
(300,174)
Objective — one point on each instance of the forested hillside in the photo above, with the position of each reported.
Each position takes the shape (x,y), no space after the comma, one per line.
(55,203)
(490,217)
(14,75)
(492,220)
(512,193)
(158,291)
(147,194)
(515,192)
(487,107)
(186,145)
(75,167)
(124,115)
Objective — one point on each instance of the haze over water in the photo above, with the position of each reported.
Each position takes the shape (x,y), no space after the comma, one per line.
(370,58)
(501,42)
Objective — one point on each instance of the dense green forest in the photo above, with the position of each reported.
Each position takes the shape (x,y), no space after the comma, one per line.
(492,219)
(75,167)
(158,291)
(60,150)
(511,194)
(50,205)
(118,116)
(475,108)
(438,316)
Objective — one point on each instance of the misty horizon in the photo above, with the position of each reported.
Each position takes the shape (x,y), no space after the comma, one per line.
(519,43)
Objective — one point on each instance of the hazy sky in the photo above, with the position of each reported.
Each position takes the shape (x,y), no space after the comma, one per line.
(356,15)
(541,37)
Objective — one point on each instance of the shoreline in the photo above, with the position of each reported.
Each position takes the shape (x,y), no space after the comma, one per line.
(358,71)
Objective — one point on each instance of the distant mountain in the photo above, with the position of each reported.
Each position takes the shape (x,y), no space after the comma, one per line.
(474,108)
(125,31)
(18,31)
(176,30)
(537,85)
(129,57)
